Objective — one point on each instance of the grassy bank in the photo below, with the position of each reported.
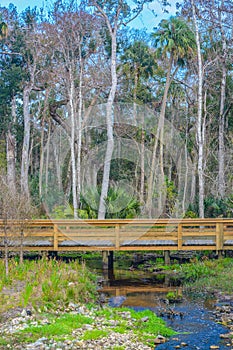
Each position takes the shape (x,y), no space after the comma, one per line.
(62,302)
(44,282)
(208,275)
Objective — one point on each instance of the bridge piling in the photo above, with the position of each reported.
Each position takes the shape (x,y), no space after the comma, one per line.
(167,258)
(107,260)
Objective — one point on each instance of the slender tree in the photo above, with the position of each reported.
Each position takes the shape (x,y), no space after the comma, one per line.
(175,43)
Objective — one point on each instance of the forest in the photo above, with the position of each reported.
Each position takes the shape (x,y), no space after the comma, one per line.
(100,120)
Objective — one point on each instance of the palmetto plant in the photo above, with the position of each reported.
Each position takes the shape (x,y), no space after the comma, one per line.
(119,204)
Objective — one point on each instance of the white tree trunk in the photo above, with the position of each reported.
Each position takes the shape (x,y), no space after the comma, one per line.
(72,145)
(158,137)
(79,126)
(11,151)
(200,135)
(221,150)
(26,143)
(109,120)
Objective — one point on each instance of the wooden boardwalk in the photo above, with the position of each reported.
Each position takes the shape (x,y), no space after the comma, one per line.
(118,235)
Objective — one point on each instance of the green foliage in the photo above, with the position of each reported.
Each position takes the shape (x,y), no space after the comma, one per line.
(94,334)
(214,207)
(63,212)
(47,281)
(194,271)
(171,195)
(174,296)
(174,37)
(57,328)
(26,295)
(121,205)
(209,275)
(144,330)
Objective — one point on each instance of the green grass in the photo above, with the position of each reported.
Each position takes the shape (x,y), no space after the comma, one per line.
(3,342)
(56,329)
(61,328)
(44,282)
(145,331)
(94,334)
(209,275)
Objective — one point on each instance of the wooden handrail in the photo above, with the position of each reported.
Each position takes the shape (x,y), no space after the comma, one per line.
(121,234)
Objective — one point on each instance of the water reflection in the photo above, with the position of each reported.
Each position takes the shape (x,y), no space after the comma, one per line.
(196,327)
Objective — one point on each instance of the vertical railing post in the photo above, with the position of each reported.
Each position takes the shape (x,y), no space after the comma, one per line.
(55,238)
(117,236)
(219,237)
(179,237)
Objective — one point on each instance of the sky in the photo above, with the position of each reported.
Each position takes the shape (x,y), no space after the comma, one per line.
(147,19)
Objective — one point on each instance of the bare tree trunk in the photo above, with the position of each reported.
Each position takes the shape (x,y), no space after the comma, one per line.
(158,137)
(47,159)
(42,142)
(72,145)
(221,150)
(6,251)
(109,120)
(26,143)
(142,160)
(193,182)
(41,157)
(200,141)
(11,151)
(79,125)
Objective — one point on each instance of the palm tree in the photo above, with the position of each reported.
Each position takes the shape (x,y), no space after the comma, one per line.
(139,63)
(175,44)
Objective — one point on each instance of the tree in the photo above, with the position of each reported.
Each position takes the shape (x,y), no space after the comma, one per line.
(138,65)
(115,13)
(15,212)
(175,43)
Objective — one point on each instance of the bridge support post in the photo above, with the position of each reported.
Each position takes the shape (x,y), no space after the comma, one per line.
(107,260)
(220,254)
(167,259)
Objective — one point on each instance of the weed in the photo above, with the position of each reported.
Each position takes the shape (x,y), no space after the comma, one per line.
(94,334)
(27,294)
(209,275)
(46,282)
(57,328)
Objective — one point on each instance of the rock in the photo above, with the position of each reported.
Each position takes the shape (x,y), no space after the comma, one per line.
(28,312)
(43,339)
(159,340)
(116,301)
(145,319)
(24,313)
(73,306)
(81,310)
(183,344)
(214,347)
(88,327)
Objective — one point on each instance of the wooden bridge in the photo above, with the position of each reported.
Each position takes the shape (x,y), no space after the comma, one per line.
(118,235)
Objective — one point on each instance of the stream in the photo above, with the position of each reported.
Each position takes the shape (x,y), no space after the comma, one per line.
(192,319)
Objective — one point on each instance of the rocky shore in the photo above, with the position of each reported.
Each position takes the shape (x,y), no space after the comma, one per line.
(223,314)
(20,319)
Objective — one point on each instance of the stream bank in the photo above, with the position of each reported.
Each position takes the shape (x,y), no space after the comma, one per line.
(202,323)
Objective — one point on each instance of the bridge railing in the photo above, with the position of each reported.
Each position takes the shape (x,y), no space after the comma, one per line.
(115,234)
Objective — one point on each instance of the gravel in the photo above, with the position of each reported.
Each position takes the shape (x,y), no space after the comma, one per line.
(25,318)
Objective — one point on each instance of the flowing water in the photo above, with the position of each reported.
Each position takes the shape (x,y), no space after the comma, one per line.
(192,319)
